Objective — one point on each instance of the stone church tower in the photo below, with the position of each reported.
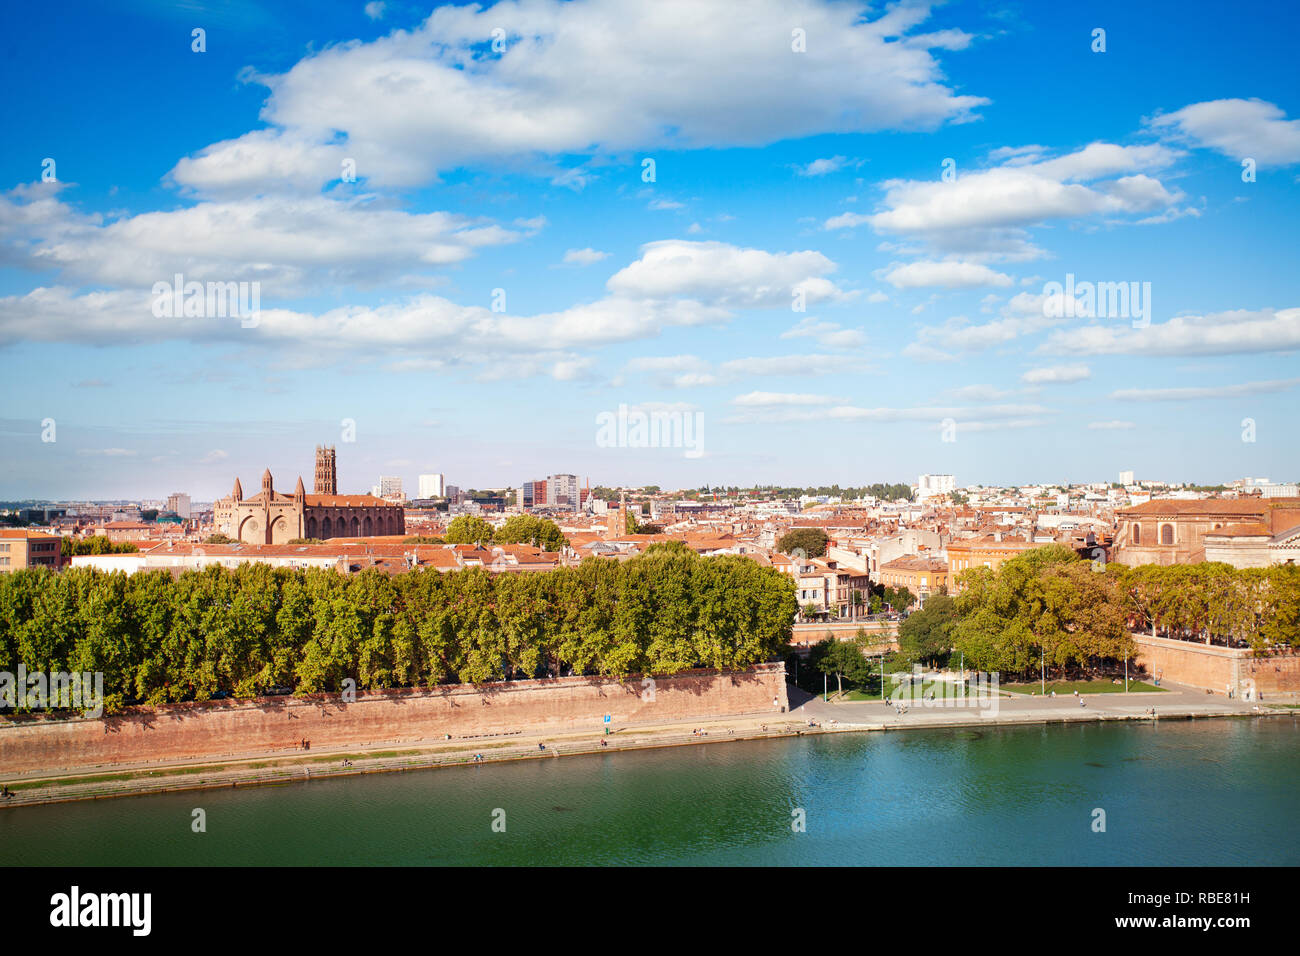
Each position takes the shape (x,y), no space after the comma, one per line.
(326,482)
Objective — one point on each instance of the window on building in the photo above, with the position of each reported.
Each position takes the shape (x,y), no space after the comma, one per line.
(1137,534)
(1166,534)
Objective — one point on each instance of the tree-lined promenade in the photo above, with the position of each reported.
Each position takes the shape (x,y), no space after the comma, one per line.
(1050,610)
(159,639)
(1049,606)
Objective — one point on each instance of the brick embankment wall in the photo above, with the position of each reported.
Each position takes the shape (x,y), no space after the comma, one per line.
(1273,675)
(216,729)
(883,633)
(1217,668)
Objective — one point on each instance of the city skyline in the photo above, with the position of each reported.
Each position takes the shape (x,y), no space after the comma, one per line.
(852,241)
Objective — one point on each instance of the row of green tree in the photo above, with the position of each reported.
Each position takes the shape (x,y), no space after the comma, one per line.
(97,544)
(520,529)
(1050,608)
(158,638)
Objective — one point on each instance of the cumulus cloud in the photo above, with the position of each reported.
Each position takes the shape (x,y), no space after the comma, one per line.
(685,371)
(827,334)
(1218,333)
(1236,128)
(777,407)
(672,284)
(1056,375)
(727,275)
(289,244)
(1193,392)
(986,214)
(948,275)
(572,80)
(823,167)
(584,257)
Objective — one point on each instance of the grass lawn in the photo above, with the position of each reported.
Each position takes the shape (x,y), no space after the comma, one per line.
(893,692)
(861,695)
(1103,686)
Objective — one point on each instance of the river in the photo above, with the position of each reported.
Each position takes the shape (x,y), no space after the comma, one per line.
(1209,792)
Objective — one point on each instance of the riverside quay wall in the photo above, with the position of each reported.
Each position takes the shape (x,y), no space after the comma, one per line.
(220,729)
(1219,668)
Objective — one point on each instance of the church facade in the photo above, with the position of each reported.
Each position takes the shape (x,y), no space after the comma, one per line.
(270,517)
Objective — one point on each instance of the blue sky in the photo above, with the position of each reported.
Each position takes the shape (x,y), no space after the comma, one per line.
(521,169)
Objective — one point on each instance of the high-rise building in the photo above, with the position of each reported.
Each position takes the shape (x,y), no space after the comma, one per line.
(1126,478)
(389,487)
(327,481)
(562,491)
(179,504)
(928,485)
(432,486)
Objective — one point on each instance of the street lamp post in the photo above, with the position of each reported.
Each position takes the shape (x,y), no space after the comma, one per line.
(1043,667)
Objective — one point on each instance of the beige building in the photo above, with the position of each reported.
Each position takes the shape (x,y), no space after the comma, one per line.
(20,548)
(1253,545)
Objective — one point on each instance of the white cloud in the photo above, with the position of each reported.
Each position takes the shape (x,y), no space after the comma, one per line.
(1193,392)
(572,80)
(949,275)
(828,334)
(1218,333)
(848,220)
(959,332)
(823,167)
(375,9)
(1112,426)
(726,275)
(979,393)
(1237,128)
(288,244)
(584,257)
(764,399)
(775,408)
(985,214)
(1056,375)
(673,284)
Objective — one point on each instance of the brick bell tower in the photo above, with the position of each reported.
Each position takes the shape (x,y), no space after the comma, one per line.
(326,482)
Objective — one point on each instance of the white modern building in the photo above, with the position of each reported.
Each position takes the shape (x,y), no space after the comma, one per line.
(562,491)
(389,487)
(433,486)
(928,485)
(1126,478)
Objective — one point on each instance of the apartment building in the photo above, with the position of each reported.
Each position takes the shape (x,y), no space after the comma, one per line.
(825,586)
(922,575)
(21,549)
(986,551)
